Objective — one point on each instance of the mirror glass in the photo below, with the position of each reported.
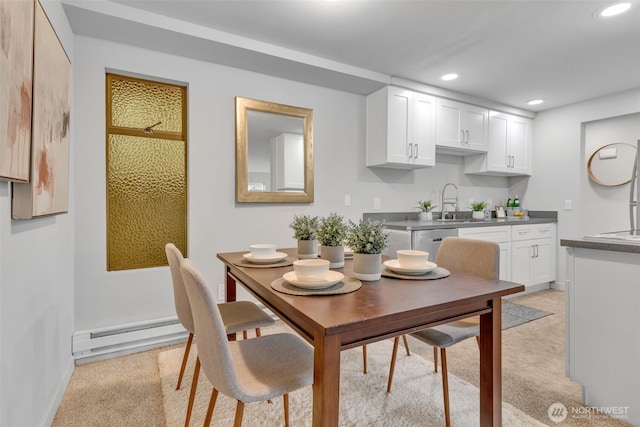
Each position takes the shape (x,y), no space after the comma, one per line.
(274,152)
(612,164)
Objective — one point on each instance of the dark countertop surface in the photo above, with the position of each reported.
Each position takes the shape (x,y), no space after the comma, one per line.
(409,220)
(602,245)
(413,225)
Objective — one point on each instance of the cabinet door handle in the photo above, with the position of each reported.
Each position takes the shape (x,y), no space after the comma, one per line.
(410,150)
(416,154)
(513,161)
(467,133)
(462,141)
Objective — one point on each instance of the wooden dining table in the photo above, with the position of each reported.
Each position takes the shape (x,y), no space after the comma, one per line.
(379,310)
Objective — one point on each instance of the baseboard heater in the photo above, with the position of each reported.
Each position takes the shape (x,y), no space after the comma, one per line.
(121,339)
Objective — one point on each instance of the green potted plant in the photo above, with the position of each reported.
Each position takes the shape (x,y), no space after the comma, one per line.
(305,231)
(478,209)
(367,239)
(425,207)
(331,234)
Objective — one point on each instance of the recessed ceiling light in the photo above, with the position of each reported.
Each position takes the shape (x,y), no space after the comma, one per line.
(535,101)
(612,9)
(450,76)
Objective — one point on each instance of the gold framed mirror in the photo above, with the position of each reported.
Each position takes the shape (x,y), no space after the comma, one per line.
(612,165)
(274,152)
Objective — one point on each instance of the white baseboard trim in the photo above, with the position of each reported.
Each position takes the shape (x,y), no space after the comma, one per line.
(102,343)
(560,286)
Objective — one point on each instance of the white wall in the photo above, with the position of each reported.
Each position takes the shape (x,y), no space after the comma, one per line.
(36,299)
(559,166)
(216,222)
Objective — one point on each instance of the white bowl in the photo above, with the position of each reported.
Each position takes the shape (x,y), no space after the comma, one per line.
(311,270)
(264,250)
(408,258)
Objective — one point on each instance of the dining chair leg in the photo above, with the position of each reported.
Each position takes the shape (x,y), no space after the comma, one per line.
(258,333)
(406,345)
(392,366)
(244,335)
(285,398)
(184,359)
(192,394)
(435,359)
(478,341)
(445,387)
(364,359)
(239,411)
(212,405)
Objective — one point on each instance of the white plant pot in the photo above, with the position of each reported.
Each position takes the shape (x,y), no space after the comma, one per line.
(367,267)
(307,249)
(426,216)
(477,215)
(334,254)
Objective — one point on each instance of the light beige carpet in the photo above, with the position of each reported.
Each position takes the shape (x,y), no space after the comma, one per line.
(416,398)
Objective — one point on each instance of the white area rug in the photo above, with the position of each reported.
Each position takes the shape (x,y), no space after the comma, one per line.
(415,400)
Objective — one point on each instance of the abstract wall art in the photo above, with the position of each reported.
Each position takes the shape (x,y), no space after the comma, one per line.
(47,192)
(16,71)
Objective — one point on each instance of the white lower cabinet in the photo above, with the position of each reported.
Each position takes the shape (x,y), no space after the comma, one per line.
(499,234)
(527,252)
(533,254)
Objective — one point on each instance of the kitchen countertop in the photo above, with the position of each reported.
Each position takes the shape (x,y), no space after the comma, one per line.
(408,220)
(602,245)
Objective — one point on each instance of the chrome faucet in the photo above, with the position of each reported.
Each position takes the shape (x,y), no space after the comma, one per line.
(451,201)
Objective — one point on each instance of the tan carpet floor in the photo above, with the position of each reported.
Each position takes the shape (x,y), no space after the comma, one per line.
(126,390)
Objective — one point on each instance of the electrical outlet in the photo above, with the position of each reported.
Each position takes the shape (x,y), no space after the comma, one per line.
(568,205)
(347,200)
(376,203)
(221,293)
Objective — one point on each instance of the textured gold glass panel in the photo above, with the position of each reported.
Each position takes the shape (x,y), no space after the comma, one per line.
(139,104)
(146,173)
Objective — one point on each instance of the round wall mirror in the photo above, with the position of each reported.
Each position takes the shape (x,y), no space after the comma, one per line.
(612,165)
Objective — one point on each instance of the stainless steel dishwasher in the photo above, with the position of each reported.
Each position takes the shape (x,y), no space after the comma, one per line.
(430,240)
(423,240)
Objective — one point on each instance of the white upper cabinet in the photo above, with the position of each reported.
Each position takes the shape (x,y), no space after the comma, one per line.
(509,151)
(400,128)
(461,128)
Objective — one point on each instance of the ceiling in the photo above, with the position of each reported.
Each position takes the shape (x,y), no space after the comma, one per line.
(508,51)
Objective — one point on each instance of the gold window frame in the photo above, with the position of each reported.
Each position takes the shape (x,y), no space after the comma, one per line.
(148,132)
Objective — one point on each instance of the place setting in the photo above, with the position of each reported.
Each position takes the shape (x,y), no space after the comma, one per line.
(313,277)
(413,265)
(264,255)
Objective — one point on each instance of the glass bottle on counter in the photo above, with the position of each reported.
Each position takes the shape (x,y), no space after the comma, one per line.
(516,202)
(510,206)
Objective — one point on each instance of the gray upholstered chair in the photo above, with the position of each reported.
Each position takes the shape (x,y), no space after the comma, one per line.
(237,316)
(469,256)
(250,370)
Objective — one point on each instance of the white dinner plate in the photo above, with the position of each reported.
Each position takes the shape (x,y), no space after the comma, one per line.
(394,266)
(332,278)
(275,257)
